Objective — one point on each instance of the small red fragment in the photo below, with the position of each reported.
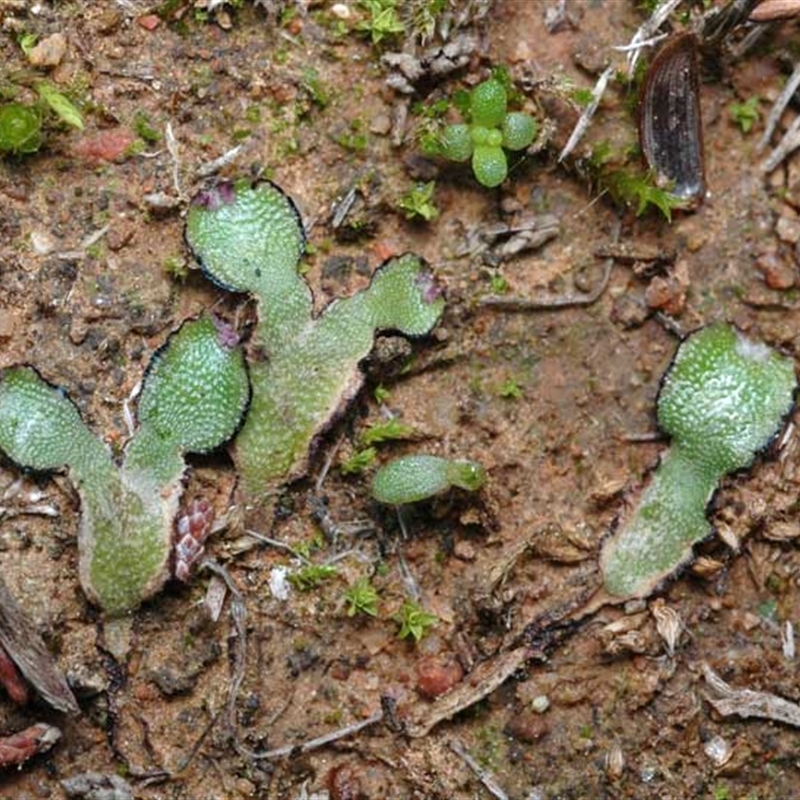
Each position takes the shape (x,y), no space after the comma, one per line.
(11,679)
(19,747)
(383,250)
(108,145)
(148,21)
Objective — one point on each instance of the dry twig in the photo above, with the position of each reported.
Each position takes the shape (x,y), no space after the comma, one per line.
(748,703)
(483,775)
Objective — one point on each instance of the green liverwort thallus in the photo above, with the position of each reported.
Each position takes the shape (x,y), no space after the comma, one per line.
(194,394)
(410,479)
(722,401)
(305,367)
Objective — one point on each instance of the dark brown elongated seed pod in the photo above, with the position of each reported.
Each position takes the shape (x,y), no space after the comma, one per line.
(670,129)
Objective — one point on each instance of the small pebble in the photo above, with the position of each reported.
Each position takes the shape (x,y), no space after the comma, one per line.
(527,727)
(341,11)
(464,551)
(777,272)
(437,675)
(380,124)
(42,242)
(148,21)
(718,750)
(788,229)
(6,324)
(49,52)
(540,703)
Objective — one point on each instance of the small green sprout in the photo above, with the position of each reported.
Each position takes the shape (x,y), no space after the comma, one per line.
(193,397)
(418,202)
(144,128)
(746,114)
(722,401)
(639,190)
(498,284)
(59,105)
(359,462)
(390,431)
(249,238)
(312,576)
(414,621)
(176,267)
(510,390)
(362,598)
(489,130)
(381,393)
(383,21)
(27,41)
(411,479)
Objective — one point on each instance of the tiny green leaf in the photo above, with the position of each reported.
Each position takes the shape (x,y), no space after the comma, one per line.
(519,131)
(456,142)
(489,165)
(488,104)
(59,104)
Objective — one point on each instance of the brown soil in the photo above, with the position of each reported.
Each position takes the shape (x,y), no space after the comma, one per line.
(311,109)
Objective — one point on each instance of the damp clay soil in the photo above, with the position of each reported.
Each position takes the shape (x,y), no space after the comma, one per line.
(208,692)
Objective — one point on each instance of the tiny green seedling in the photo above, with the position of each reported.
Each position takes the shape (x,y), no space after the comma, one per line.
(488,131)
(746,114)
(414,621)
(359,462)
(362,598)
(418,202)
(390,431)
(312,576)
(722,401)
(194,394)
(382,21)
(305,367)
(411,479)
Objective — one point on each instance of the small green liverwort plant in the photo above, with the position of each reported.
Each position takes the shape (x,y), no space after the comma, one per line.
(487,132)
(722,401)
(194,395)
(305,367)
(411,479)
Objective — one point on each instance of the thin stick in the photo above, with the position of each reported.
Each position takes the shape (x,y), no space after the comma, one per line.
(239,614)
(788,144)
(778,108)
(483,775)
(278,544)
(564,301)
(585,119)
(647,31)
(320,741)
